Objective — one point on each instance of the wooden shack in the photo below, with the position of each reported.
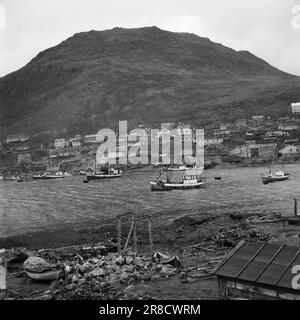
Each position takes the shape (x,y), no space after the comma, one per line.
(260,271)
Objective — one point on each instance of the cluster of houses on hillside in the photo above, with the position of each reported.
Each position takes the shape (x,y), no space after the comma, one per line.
(259,137)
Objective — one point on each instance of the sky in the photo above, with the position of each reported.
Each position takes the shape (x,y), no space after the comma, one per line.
(269,29)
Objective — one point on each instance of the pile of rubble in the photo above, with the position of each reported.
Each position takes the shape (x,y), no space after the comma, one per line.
(87,273)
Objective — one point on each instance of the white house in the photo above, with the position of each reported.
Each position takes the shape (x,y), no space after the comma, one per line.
(17,138)
(289,150)
(60,143)
(240,151)
(295,108)
(76,144)
(91,138)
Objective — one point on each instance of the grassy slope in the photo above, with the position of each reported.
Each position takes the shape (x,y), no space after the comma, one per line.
(142,75)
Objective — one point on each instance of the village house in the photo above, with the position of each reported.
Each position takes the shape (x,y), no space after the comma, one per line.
(290,151)
(241,123)
(168,126)
(295,108)
(262,151)
(221,133)
(91,138)
(257,120)
(76,144)
(223,127)
(17,138)
(288,125)
(240,151)
(77,137)
(60,143)
(22,148)
(291,141)
(24,158)
(269,123)
(276,134)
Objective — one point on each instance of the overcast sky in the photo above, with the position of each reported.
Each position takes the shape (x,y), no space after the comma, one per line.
(268,28)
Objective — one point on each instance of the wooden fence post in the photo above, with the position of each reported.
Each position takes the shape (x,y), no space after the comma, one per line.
(119,229)
(134,235)
(129,235)
(150,234)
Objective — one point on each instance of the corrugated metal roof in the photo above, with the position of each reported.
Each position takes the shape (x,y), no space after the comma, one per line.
(261,263)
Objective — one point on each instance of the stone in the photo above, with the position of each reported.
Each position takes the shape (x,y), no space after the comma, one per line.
(97,272)
(138,261)
(69,287)
(129,259)
(120,260)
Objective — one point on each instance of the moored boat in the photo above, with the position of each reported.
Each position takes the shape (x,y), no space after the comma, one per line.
(180,178)
(11,178)
(278,175)
(48,176)
(164,185)
(109,174)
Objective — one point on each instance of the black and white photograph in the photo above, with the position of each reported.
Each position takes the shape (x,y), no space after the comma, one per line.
(149,150)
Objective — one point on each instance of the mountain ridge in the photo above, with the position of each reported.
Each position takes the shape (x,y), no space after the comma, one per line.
(143,75)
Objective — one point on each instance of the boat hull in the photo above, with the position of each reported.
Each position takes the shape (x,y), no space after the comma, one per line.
(267,179)
(168,186)
(47,177)
(103,176)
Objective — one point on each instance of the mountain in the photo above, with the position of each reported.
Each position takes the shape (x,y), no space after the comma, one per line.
(146,76)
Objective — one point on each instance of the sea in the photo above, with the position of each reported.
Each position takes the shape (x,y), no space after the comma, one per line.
(55,204)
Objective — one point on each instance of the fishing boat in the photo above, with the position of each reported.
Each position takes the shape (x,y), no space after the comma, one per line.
(176,168)
(107,174)
(278,175)
(11,178)
(49,176)
(186,183)
(179,179)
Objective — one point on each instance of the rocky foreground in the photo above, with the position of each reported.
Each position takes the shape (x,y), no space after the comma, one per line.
(180,267)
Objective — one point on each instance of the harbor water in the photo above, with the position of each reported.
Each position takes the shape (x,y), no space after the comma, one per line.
(54,204)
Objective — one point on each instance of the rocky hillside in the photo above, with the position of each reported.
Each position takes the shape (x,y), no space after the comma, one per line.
(144,75)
